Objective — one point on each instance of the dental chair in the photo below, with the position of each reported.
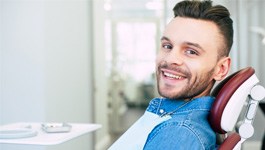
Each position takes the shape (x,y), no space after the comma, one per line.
(237,94)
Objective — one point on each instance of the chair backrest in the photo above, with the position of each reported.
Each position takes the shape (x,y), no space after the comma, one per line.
(231,95)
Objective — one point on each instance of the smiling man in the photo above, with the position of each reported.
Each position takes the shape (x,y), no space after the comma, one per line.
(194,54)
(189,61)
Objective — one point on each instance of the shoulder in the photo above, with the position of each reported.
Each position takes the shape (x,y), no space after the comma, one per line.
(174,134)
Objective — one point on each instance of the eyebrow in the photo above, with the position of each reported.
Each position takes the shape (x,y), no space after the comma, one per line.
(165,38)
(195,45)
(185,42)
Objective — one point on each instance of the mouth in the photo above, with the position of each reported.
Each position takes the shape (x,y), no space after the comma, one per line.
(173,75)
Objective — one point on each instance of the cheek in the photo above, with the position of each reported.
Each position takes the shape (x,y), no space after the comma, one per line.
(198,69)
(194,66)
(203,64)
(159,58)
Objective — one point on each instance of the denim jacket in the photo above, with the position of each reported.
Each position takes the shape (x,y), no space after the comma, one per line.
(188,127)
(171,125)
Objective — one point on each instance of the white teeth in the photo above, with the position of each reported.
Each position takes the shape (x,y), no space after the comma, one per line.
(172,75)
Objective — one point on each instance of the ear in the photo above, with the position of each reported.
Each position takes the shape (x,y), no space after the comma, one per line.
(222,68)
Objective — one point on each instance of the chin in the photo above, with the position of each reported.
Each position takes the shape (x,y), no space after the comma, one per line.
(167,94)
(174,94)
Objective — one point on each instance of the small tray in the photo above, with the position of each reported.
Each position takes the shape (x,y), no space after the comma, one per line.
(56,127)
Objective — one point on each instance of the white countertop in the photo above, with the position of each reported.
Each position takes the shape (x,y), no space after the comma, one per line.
(44,138)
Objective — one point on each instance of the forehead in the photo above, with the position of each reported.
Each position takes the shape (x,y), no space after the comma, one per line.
(204,33)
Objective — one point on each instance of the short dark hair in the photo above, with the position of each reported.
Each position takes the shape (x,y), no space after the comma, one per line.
(206,11)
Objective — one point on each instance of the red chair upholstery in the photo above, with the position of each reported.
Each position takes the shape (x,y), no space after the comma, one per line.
(230,142)
(231,95)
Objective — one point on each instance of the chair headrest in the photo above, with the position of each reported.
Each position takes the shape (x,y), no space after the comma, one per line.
(224,92)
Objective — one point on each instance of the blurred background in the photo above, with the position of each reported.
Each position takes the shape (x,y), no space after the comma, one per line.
(92,61)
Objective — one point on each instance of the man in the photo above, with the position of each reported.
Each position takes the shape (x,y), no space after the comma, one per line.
(193,55)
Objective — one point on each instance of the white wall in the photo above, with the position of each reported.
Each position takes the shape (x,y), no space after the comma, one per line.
(22,62)
(45,67)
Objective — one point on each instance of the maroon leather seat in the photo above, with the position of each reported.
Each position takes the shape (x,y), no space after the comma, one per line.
(231,96)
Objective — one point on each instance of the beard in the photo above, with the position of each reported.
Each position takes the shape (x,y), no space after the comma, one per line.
(191,89)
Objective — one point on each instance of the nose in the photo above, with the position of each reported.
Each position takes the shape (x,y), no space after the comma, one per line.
(174,57)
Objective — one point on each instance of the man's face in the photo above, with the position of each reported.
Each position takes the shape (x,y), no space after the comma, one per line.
(186,63)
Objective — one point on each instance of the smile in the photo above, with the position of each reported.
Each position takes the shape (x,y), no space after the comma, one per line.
(173,76)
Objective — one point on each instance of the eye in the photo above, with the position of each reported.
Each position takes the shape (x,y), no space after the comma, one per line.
(191,52)
(167,46)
